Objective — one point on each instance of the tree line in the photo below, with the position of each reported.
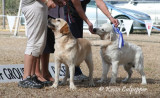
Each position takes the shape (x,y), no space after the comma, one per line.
(11,7)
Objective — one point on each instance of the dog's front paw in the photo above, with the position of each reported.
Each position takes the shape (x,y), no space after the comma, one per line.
(73,87)
(55,85)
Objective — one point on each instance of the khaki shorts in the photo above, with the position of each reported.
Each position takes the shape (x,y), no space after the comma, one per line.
(36,24)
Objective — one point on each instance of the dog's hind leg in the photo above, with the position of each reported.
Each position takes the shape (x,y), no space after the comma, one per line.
(57,71)
(128,69)
(89,63)
(114,72)
(72,71)
(143,76)
(139,67)
(140,70)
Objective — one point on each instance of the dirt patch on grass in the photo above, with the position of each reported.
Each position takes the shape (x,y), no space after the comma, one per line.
(12,52)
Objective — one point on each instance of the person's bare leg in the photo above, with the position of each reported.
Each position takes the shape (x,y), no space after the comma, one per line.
(45,64)
(37,70)
(28,64)
(33,67)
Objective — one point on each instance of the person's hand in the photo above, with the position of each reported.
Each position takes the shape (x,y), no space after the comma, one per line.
(90,27)
(51,4)
(61,2)
(114,21)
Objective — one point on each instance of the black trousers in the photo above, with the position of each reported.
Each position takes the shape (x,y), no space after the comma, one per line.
(49,48)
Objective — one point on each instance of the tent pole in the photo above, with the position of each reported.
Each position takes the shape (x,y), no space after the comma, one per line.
(18,18)
(3,12)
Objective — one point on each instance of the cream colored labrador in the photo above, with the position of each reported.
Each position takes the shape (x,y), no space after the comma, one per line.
(130,56)
(69,51)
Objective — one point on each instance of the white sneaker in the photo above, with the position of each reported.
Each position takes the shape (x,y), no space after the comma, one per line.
(80,77)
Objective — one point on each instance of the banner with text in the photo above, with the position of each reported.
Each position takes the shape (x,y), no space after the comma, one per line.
(14,73)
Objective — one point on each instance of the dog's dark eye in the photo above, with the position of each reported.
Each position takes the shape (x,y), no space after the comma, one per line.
(58,20)
(102,29)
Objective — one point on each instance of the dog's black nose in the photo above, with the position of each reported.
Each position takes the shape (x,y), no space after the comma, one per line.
(51,17)
(94,29)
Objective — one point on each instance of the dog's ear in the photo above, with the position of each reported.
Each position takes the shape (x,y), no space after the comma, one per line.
(65,29)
